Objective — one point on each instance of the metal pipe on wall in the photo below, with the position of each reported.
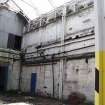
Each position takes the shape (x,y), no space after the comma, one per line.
(20,74)
(87,34)
(63,45)
(60,53)
(62,50)
(53,77)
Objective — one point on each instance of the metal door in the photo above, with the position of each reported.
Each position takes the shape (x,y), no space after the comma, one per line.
(33,82)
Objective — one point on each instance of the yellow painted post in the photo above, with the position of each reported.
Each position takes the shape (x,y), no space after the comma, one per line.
(99,52)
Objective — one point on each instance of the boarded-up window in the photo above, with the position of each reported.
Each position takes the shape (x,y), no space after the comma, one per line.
(14,42)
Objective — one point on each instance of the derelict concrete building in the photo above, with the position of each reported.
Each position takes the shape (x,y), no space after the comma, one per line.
(57,51)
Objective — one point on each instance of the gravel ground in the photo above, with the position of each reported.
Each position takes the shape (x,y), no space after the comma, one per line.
(26,100)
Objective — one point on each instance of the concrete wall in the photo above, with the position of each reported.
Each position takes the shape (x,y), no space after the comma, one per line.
(44,78)
(13,76)
(74,23)
(79,76)
(10,22)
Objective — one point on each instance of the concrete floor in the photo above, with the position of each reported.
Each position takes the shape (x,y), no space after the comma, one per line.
(8,99)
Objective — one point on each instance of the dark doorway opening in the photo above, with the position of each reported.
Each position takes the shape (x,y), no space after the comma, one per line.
(3,77)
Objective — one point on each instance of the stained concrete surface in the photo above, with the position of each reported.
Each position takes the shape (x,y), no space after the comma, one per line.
(16,99)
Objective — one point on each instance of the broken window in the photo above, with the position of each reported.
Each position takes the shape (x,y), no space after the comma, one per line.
(14,42)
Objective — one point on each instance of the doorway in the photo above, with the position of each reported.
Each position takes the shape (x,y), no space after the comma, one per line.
(3,77)
(33,82)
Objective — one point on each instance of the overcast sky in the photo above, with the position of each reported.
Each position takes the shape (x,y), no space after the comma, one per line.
(40,6)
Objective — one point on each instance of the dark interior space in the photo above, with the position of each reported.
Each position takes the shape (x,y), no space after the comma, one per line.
(14,42)
(17,45)
(3,77)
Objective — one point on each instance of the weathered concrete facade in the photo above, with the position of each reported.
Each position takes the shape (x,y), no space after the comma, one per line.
(57,55)
(10,23)
(78,77)
(59,47)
